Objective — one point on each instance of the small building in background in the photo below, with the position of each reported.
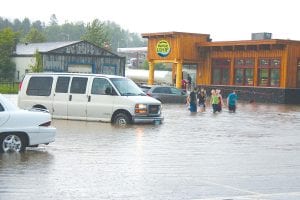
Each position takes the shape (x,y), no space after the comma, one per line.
(135,56)
(71,56)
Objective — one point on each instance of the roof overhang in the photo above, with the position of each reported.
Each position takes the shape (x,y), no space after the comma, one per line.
(169,34)
(246,43)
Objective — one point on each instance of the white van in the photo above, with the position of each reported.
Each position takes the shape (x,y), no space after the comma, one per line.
(91,97)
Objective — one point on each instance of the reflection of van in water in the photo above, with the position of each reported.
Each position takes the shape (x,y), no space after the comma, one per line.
(92,97)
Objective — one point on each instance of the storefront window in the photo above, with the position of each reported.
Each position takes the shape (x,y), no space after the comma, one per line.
(239,76)
(244,71)
(220,71)
(274,77)
(225,76)
(249,76)
(269,72)
(263,77)
(216,76)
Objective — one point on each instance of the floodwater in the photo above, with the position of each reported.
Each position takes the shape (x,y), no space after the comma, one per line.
(250,154)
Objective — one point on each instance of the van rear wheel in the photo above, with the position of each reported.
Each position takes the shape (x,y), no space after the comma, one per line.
(121,119)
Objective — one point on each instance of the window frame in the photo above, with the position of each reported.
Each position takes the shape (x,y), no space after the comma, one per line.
(221,64)
(75,80)
(269,66)
(244,64)
(36,86)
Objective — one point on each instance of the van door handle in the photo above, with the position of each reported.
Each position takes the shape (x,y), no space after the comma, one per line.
(89,98)
(70,97)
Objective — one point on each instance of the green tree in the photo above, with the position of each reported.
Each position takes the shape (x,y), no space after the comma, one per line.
(7,44)
(53,20)
(38,65)
(96,34)
(34,36)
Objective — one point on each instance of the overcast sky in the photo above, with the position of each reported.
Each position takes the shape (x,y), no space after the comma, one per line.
(224,20)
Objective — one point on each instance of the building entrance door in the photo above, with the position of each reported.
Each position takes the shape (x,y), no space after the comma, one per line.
(190,70)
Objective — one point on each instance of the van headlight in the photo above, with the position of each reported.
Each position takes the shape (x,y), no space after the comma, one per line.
(140,108)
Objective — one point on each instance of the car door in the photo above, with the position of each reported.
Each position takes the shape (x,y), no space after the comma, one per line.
(100,100)
(78,98)
(161,93)
(177,95)
(4,115)
(61,97)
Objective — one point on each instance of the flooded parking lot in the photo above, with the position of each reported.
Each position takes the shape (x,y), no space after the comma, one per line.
(251,154)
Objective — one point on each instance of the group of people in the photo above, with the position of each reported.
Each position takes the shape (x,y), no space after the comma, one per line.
(198,98)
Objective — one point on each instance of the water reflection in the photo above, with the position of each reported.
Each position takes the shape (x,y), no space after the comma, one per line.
(201,156)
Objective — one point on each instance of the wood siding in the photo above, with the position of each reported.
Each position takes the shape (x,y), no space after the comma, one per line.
(293,55)
(183,46)
(192,48)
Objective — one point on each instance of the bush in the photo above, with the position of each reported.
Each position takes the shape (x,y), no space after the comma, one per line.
(9,87)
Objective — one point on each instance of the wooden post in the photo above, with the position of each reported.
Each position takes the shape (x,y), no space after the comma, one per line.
(151,73)
(255,72)
(174,73)
(179,75)
(231,71)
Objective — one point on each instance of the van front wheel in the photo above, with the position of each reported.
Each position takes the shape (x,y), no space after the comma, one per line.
(121,119)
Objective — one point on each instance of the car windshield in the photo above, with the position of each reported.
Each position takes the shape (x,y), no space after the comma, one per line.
(127,87)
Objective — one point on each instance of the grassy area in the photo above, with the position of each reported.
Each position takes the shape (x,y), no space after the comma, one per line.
(9,87)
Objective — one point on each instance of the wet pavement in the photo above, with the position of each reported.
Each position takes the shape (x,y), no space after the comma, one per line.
(251,154)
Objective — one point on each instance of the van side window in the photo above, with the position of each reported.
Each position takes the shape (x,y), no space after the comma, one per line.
(62,84)
(100,85)
(1,108)
(39,86)
(78,85)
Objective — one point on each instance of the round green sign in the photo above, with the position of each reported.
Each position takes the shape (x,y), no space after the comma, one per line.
(163,48)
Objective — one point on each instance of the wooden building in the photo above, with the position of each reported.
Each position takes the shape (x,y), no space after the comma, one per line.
(264,70)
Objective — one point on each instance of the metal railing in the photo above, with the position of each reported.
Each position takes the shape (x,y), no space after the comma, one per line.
(9,87)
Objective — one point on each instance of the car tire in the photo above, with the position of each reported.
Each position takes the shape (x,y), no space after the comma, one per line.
(12,142)
(121,119)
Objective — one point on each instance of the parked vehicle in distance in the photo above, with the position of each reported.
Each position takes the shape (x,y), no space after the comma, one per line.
(23,128)
(91,97)
(167,94)
(145,88)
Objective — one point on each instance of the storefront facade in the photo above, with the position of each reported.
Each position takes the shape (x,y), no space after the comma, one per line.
(265,70)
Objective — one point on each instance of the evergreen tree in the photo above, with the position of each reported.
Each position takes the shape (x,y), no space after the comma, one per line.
(34,36)
(7,44)
(96,34)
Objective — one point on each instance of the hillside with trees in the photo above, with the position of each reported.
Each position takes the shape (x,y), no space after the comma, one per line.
(104,34)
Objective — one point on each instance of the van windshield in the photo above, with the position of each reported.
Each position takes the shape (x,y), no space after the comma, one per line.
(127,87)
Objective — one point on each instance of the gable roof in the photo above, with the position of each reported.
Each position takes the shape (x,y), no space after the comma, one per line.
(30,48)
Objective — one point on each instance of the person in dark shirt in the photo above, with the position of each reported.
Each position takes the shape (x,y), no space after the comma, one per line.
(189,82)
(202,99)
(193,100)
